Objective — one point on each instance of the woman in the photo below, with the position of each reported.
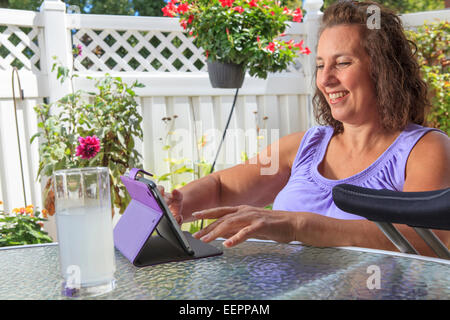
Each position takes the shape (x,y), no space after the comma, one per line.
(372,100)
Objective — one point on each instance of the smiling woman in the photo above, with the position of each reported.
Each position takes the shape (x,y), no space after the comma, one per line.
(388,57)
(371,103)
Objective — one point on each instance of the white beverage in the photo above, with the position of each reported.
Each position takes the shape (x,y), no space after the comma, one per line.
(86,246)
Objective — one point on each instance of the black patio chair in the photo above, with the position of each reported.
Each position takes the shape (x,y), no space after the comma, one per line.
(420,210)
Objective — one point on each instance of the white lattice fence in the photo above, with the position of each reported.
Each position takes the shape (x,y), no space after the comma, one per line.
(129,51)
(20,48)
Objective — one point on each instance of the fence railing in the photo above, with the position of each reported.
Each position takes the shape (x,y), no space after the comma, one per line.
(156,52)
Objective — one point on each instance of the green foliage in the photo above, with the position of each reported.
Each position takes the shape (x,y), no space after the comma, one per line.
(245,36)
(177,167)
(111,114)
(404,6)
(116,7)
(433,53)
(23,226)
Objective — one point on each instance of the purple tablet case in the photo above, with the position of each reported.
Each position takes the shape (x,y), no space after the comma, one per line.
(146,234)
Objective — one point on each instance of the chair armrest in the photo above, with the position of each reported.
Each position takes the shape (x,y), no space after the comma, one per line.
(427,209)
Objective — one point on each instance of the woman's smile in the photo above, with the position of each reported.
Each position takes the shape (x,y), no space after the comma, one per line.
(337,96)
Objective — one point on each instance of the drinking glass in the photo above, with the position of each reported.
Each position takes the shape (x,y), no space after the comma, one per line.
(85,232)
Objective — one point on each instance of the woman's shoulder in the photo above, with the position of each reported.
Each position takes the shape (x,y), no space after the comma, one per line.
(291,143)
(428,167)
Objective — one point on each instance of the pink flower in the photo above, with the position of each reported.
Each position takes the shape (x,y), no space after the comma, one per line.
(80,49)
(88,147)
(77,50)
(238,9)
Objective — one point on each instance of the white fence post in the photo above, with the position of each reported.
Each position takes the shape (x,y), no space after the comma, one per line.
(57,44)
(312,21)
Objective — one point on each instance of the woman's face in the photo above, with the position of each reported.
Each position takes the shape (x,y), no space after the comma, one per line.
(343,75)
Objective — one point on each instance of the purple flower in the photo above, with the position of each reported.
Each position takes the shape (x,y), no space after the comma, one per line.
(88,147)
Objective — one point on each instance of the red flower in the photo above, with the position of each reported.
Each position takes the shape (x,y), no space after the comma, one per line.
(183,8)
(238,9)
(289,43)
(88,147)
(299,45)
(183,23)
(226,3)
(306,51)
(271,46)
(170,10)
(253,3)
(298,15)
(259,41)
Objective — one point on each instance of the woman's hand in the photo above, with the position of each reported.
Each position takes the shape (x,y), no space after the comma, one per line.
(240,223)
(174,201)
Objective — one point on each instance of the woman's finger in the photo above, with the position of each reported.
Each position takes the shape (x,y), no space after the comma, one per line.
(224,227)
(160,189)
(207,229)
(176,195)
(241,236)
(214,213)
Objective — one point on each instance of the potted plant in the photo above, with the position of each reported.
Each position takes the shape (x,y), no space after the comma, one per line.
(23,226)
(239,35)
(99,131)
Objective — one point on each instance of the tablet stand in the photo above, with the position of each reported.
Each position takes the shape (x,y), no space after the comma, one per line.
(146,234)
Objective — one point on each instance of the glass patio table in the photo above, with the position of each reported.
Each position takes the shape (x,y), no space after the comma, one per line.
(257,270)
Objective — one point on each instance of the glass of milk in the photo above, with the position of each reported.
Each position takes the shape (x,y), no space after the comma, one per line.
(85,232)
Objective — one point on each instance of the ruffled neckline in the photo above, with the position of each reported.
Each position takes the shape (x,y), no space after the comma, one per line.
(354,179)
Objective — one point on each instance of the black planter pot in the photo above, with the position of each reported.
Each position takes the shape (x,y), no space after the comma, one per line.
(225,75)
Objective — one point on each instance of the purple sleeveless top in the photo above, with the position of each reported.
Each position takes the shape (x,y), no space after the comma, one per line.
(308,191)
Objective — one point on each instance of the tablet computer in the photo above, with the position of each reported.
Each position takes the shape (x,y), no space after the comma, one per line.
(147,233)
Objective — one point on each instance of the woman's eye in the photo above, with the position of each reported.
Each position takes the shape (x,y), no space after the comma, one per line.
(319,66)
(342,64)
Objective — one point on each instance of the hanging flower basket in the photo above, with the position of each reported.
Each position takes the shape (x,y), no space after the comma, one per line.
(248,33)
(225,75)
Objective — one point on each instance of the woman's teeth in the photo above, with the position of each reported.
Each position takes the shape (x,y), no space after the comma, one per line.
(337,94)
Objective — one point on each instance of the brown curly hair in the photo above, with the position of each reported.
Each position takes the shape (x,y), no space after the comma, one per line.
(400,90)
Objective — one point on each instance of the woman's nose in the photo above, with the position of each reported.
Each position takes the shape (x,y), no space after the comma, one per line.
(326,77)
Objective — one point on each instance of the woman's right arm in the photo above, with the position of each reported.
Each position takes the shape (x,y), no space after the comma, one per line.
(255,182)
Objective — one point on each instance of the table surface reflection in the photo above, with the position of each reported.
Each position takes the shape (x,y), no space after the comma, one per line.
(251,270)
